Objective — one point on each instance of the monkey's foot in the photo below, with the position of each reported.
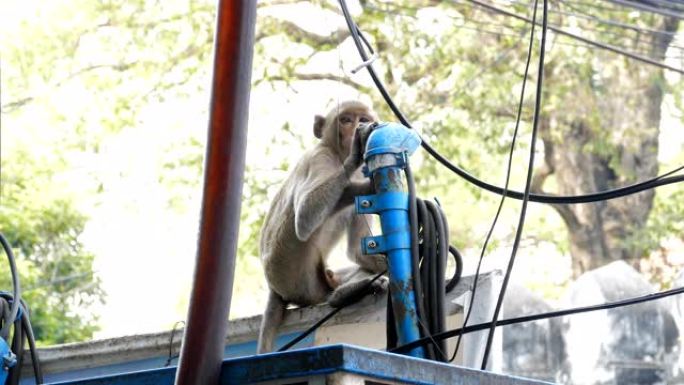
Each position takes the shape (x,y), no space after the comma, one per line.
(352,292)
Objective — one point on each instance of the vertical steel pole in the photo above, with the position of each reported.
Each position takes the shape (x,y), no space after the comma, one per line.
(204,339)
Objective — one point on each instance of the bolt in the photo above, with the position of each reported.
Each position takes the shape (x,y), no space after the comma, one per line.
(9,360)
(365,203)
(372,244)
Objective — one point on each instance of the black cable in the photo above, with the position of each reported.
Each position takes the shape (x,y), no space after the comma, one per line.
(18,347)
(458,270)
(661,180)
(612,23)
(429,252)
(395,11)
(433,292)
(22,331)
(648,8)
(320,322)
(17,315)
(439,270)
(35,361)
(658,181)
(528,185)
(508,177)
(538,317)
(415,251)
(4,332)
(582,39)
(172,356)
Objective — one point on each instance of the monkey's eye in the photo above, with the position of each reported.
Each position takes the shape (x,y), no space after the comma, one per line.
(344,119)
(364,119)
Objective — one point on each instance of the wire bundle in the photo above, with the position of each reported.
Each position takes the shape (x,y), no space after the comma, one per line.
(526,196)
(15,313)
(429,251)
(22,332)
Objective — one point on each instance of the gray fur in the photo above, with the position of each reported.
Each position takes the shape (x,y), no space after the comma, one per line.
(309,215)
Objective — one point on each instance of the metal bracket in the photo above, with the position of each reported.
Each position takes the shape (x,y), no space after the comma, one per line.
(375,162)
(8,360)
(374,204)
(381,244)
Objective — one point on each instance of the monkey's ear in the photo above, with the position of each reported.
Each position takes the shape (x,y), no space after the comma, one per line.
(319,123)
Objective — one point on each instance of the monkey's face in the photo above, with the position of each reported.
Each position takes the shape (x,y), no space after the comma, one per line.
(347,123)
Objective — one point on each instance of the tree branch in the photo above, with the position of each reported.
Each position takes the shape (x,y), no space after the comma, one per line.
(547,169)
(314,77)
(270,26)
(13,105)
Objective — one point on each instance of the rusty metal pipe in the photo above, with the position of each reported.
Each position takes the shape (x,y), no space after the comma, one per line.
(203,342)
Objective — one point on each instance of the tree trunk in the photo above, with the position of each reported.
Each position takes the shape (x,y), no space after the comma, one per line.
(605,135)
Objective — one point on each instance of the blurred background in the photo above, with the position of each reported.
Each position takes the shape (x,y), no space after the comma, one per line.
(104,124)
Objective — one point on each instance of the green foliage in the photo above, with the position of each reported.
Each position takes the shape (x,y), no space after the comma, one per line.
(56,272)
(78,76)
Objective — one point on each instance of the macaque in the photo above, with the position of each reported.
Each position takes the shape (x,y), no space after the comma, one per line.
(309,215)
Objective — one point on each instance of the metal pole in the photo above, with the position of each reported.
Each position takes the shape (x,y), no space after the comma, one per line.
(204,338)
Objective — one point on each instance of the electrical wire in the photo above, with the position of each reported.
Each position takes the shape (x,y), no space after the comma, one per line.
(4,331)
(429,250)
(581,38)
(506,183)
(613,23)
(658,181)
(598,196)
(540,316)
(170,357)
(596,5)
(35,361)
(648,8)
(577,13)
(528,185)
(328,316)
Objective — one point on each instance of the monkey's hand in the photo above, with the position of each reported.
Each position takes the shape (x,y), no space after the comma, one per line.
(355,158)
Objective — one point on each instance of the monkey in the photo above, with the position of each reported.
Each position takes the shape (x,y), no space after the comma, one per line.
(309,215)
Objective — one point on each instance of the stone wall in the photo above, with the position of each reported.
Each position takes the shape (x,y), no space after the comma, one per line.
(637,344)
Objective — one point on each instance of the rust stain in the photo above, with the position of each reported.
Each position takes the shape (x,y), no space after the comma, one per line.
(400,293)
(395,179)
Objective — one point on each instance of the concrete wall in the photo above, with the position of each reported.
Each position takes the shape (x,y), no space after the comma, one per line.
(361,324)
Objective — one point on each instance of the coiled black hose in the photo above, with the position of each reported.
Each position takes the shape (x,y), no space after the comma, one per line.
(429,253)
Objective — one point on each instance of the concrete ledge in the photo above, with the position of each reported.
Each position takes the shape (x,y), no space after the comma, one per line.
(148,351)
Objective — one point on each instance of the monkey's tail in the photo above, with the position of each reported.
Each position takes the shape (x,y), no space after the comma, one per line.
(270,322)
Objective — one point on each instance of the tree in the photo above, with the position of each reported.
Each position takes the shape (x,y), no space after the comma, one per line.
(76,76)
(600,132)
(56,272)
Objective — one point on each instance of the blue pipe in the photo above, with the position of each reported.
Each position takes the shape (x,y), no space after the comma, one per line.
(387,150)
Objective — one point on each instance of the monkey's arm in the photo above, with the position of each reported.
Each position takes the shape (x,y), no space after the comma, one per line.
(317,196)
(360,227)
(326,183)
(354,189)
